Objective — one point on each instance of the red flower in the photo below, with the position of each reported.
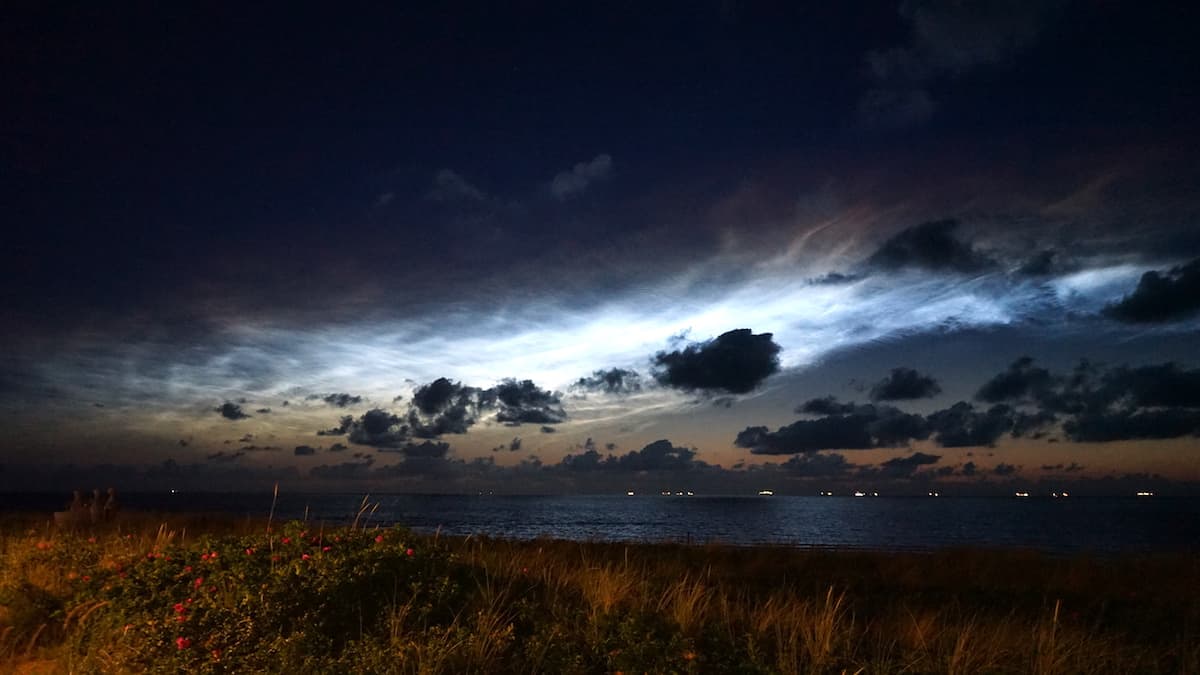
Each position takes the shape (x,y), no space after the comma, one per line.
(204,556)
(408,552)
(379,539)
(91,540)
(304,557)
(216,654)
(326,549)
(87,578)
(199,582)
(286,540)
(179,618)
(249,551)
(182,643)
(179,608)
(187,568)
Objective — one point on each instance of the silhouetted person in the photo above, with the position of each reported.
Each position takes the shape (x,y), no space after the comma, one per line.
(96,505)
(110,504)
(76,504)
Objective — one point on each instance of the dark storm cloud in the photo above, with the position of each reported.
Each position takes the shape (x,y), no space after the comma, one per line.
(302,450)
(443,407)
(576,181)
(660,455)
(231,411)
(904,384)
(899,467)
(1120,425)
(260,448)
(1120,403)
(263,411)
(1021,381)
(818,465)
(962,426)
(735,362)
(524,402)
(547,430)
(947,40)
(225,457)
(929,246)
(827,405)
(969,469)
(863,427)
(422,450)
(611,381)
(1160,297)
(378,428)
(340,400)
(338,447)
(341,429)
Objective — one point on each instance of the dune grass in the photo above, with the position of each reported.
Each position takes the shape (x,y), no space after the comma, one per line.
(158,593)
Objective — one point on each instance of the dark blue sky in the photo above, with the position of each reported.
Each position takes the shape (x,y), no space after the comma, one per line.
(279,203)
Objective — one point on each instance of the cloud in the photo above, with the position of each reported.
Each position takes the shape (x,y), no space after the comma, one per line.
(929,246)
(735,362)
(303,450)
(338,447)
(1161,297)
(263,411)
(422,450)
(341,429)
(225,457)
(340,400)
(231,411)
(343,471)
(947,39)
(1046,263)
(1021,381)
(904,384)
(443,407)
(448,186)
(378,428)
(571,183)
(660,455)
(523,402)
(900,467)
(827,405)
(818,465)
(961,426)
(861,428)
(1120,425)
(612,381)
(547,430)
(1003,469)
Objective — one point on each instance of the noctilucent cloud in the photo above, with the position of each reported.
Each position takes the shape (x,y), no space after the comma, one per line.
(592,249)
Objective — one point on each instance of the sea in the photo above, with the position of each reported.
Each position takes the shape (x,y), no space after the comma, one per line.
(1064,525)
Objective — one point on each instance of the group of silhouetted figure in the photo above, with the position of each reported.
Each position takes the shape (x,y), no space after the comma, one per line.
(98,508)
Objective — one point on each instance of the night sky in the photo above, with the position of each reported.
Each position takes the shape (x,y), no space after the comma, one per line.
(581,248)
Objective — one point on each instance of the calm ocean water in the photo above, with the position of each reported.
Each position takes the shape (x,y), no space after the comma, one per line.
(1095,524)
